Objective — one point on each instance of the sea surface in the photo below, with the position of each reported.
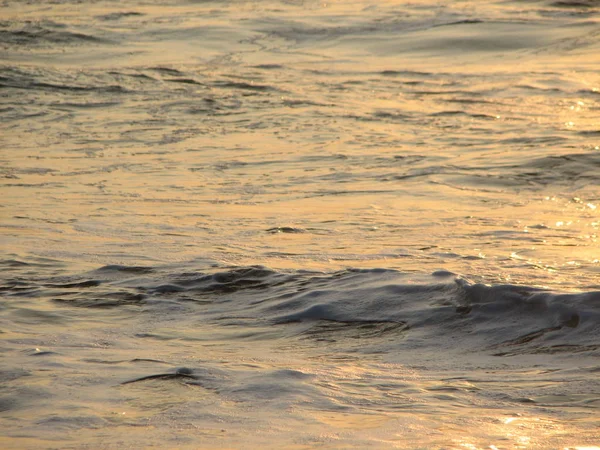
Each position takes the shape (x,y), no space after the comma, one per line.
(300,224)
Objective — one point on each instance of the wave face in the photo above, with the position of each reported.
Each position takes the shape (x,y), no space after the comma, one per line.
(498,320)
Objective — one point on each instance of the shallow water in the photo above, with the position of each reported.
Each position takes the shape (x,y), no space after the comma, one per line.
(300,224)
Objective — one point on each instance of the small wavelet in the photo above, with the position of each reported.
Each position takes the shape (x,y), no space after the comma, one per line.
(127,269)
(119,15)
(244,86)
(36,35)
(102,300)
(575,4)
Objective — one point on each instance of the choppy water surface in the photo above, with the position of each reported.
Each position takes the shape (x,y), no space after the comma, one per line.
(300,224)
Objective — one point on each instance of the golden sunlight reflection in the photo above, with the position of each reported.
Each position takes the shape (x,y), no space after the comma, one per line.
(299,224)
(582,448)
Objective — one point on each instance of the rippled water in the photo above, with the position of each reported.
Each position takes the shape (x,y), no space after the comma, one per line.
(300,224)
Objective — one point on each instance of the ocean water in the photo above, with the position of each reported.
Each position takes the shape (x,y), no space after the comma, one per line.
(300,224)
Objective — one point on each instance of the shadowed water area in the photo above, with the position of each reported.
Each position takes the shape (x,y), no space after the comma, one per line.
(300,224)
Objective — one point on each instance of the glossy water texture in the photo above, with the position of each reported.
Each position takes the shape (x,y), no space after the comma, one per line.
(300,224)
